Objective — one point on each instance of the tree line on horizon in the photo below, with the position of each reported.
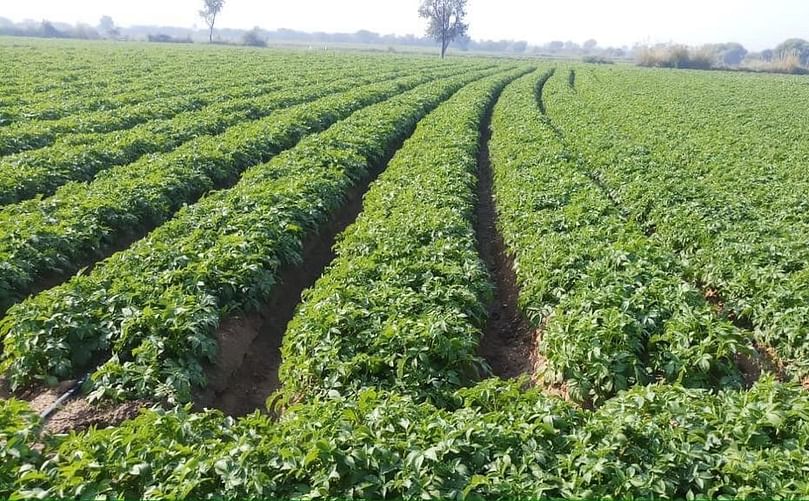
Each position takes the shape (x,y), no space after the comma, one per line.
(446,26)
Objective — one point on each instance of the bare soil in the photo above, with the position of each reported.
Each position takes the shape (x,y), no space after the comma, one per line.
(509,341)
(78,415)
(5,391)
(246,369)
(751,368)
(772,362)
(245,372)
(764,359)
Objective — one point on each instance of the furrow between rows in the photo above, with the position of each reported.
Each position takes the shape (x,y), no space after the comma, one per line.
(613,309)
(81,157)
(81,222)
(403,304)
(154,307)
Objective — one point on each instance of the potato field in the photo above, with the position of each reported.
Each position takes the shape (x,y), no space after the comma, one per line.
(264,273)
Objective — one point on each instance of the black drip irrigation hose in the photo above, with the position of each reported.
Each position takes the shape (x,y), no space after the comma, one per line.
(70,393)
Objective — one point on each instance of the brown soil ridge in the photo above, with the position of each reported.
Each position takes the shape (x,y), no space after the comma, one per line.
(79,415)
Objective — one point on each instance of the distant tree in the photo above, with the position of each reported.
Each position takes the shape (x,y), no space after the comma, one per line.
(518,46)
(85,32)
(732,54)
(797,46)
(164,38)
(106,23)
(48,30)
(556,46)
(107,27)
(211,9)
(571,46)
(254,38)
(446,20)
(463,42)
(367,37)
(494,45)
(726,54)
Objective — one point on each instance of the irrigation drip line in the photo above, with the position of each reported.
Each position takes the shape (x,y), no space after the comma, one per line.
(70,393)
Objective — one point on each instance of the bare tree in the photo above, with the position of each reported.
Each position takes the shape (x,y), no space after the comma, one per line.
(211,9)
(446,18)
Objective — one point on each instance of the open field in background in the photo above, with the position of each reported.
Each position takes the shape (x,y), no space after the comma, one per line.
(303,273)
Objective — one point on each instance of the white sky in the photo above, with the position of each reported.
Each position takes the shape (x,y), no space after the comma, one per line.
(757,24)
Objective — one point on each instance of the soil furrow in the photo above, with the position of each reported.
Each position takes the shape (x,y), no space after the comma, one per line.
(540,87)
(246,369)
(508,343)
(245,373)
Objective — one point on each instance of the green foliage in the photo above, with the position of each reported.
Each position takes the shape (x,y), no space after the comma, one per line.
(402,305)
(713,170)
(92,142)
(622,205)
(377,445)
(613,309)
(666,441)
(658,441)
(19,428)
(125,200)
(155,306)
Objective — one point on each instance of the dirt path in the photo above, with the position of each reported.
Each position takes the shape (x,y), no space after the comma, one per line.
(508,341)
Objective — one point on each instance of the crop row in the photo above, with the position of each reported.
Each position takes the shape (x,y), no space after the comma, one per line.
(156,305)
(494,440)
(177,98)
(728,197)
(501,442)
(104,80)
(80,158)
(36,134)
(38,72)
(403,304)
(612,309)
(38,102)
(81,220)
(88,69)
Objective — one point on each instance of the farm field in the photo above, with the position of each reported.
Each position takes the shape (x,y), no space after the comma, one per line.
(264,273)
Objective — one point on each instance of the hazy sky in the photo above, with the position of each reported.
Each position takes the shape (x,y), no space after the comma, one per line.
(757,24)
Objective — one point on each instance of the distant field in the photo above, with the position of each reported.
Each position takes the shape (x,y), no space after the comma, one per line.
(395,276)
